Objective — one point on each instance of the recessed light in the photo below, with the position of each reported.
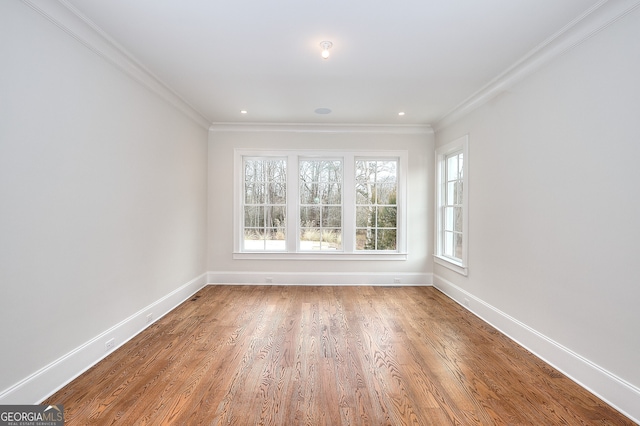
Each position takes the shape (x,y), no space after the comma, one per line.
(323,111)
(244,111)
(401,113)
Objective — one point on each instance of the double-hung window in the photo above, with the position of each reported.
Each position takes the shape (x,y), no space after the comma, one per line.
(451,206)
(376,204)
(320,205)
(265,202)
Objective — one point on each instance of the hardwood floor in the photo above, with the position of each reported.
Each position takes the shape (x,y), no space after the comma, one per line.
(253,355)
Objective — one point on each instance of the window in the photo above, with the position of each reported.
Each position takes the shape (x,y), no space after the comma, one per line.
(452,212)
(376,209)
(264,206)
(320,205)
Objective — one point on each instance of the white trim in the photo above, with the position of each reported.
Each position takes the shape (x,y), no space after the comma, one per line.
(325,255)
(620,394)
(70,20)
(50,378)
(401,129)
(459,144)
(451,264)
(320,278)
(595,19)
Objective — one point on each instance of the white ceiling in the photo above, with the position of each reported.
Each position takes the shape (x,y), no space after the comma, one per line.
(422,57)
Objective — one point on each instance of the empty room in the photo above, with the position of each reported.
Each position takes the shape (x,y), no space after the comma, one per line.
(322,213)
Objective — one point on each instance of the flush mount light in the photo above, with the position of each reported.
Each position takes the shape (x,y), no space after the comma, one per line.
(401,113)
(244,111)
(325,45)
(322,111)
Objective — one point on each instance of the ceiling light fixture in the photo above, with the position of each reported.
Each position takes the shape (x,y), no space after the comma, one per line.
(325,45)
(244,111)
(401,113)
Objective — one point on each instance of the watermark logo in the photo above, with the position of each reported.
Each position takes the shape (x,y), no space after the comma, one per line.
(31,415)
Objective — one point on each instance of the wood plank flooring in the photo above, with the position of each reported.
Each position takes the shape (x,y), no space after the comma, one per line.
(275,355)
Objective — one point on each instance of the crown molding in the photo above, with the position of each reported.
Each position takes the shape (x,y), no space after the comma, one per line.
(592,21)
(322,128)
(70,20)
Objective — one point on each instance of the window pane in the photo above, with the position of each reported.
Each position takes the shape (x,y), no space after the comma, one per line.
(253,216)
(309,193)
(363,193)
(307,171)
(309,216)
(331,239)
(457,212)
(448,243)
(275,239)
(275,171)
(386,193)
(451,192)
(362,175)
(309,239)
(452,167)
(325,193)
(321,170)
(365,239)
(332,217)
(253,240)
(458,192)
(448,218)
(252,170)
(332,193)
(387,217)
(331,171)
(457,246)
(365,216)
(274,216)
(277,193)
(386,239)
(254,193)
(385,171)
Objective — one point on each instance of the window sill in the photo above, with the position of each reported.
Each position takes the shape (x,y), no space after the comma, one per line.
(451,264)
(319,256)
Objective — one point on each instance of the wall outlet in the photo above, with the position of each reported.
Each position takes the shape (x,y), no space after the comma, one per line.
(149,317)
(269,280)
(396,280)
(110,344)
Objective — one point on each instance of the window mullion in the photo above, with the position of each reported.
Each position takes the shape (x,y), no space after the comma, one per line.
(349,204)
(293,202)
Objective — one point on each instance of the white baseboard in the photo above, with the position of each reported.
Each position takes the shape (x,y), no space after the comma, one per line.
(620,394)
(44,382)
(320,278)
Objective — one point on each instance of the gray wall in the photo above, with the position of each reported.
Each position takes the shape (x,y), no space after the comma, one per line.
(554,200)
(102,194)
(419,194)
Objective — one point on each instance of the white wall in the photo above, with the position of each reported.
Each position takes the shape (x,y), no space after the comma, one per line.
(102,195)
(418,265)
(554,206)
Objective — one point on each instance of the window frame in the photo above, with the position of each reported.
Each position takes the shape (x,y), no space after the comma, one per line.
(460,145)
(348,158)
(265,205)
